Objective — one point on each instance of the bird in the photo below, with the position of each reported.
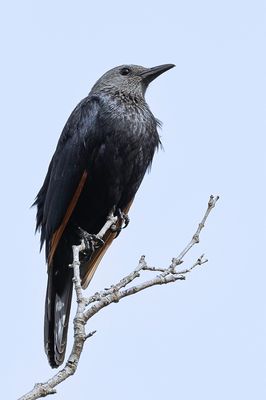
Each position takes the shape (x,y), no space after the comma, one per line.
(102,155)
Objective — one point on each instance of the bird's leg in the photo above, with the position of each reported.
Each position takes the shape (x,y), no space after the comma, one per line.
(91,241)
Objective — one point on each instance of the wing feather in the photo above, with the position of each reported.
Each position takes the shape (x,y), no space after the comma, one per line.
(58,233)
(66,177)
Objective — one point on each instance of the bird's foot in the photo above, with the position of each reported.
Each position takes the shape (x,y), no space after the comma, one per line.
(124,218)
(123,221)
(92,242)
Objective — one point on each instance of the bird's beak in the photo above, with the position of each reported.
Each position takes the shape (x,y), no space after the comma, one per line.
(151,73)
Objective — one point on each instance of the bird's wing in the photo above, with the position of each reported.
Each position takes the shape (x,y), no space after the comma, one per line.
(59,231)
(66,175)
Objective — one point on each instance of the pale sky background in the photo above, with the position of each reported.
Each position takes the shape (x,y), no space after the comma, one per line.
(200,339)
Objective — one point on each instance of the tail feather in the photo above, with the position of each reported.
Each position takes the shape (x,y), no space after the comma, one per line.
(57,310)
(59,291)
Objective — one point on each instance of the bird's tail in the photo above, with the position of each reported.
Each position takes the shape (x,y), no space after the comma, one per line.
(57,310)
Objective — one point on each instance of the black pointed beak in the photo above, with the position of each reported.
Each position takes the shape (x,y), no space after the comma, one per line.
(152,73)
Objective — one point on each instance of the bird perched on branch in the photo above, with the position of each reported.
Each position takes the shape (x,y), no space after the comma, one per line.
(101,158)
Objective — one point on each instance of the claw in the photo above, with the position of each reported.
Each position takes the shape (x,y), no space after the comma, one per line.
(123,221)
(91,241)
(124,218)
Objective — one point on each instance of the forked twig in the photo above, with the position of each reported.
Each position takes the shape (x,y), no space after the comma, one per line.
(88,307)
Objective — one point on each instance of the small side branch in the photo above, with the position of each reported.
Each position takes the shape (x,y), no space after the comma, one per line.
(88,307)
(196,237)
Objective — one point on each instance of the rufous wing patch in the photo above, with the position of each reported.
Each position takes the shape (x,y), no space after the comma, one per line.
(58,233)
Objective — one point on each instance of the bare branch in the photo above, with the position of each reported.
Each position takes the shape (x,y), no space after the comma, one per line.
(111,221)
(88,307)
(196,237)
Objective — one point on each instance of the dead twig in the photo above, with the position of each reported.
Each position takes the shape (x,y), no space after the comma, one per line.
(88,307)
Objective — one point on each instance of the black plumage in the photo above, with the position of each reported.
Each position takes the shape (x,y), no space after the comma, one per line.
(102,155)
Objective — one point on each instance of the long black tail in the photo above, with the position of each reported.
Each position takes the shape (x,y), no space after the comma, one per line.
(57,310)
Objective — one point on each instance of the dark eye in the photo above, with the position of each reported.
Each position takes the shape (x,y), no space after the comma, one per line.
(125,71)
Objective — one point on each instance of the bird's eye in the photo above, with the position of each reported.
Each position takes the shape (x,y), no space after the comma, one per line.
(125,71)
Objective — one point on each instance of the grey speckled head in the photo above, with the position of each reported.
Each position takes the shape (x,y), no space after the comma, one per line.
(128,79)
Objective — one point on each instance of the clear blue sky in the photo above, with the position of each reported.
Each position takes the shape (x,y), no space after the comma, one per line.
(199,339)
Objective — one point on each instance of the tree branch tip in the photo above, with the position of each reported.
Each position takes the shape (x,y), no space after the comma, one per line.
(201,261)
(90,334)
(179,276)
(212,201)
(141,265)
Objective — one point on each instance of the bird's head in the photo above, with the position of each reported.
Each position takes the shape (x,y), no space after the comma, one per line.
(129,79)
